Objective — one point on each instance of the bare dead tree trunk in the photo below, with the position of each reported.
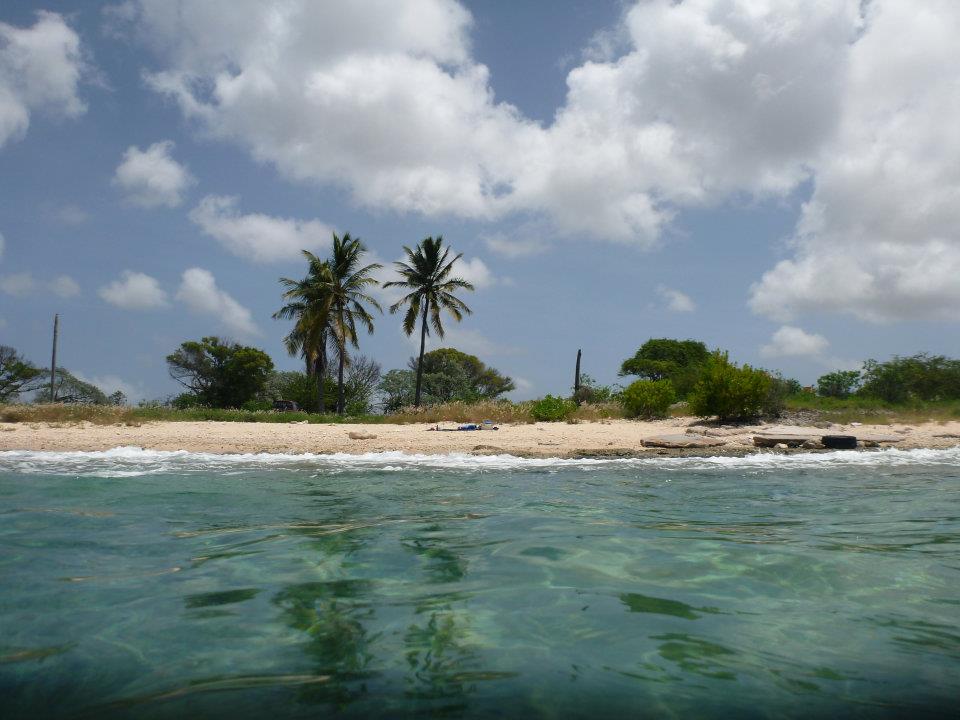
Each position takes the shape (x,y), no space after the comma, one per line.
(576,379)
(53,359)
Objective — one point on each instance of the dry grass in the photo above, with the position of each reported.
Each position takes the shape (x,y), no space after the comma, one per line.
(498,412)
(598,411)
(66,414)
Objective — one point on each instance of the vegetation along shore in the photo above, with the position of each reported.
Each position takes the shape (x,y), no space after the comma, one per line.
(678,395)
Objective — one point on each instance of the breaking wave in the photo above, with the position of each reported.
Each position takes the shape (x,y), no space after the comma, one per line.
(135,461)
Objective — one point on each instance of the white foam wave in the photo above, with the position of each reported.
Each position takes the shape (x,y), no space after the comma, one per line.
(134,461)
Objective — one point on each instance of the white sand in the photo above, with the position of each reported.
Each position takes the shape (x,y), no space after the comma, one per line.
(616,437)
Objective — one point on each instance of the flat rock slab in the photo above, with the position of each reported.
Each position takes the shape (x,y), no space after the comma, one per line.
(770,440)
(878,438)
(682,441)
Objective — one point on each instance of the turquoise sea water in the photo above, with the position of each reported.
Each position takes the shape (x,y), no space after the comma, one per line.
(161,585)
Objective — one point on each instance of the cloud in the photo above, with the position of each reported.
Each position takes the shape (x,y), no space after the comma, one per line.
(2,245)
(676,300)
(110,384)
(64,286)
(18,285)
(475,272)
(24,284)
(258,237)
(513,246)
(707,99)
(72,215)
(680,105)
(880,237)
(464,339)
(523,386)
(199,292)
(134,291)
(151,178)
(40,69)
(792,341)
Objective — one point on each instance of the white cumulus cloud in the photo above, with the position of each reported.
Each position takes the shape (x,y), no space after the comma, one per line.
(514,245)
(134,291)
(255,236)
(199,292)
(697,103)
(64,286)
(880,237)
(793,341)
(710,97)
(474,271)
(151,178)
(676,300)
(41,67)
(18,284)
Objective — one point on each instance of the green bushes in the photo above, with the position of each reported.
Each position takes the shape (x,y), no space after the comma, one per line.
(728,391)
(648,398)
(838,384)
(919,377)
(552,409)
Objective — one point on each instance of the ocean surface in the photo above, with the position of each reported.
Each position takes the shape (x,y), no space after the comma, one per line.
(170,585)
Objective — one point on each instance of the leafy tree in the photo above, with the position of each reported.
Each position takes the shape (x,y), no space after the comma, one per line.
(648,398)
(679,361)
(839,384)
(728,391)
(220,374)
(348,293)
(427,274)
(117,398)
(301,388)
(920,377)
(17,374)
(71,390)
(593,392)
(447,375)
(397,390)
(450,374)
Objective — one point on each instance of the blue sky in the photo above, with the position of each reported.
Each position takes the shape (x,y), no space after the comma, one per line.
(775,178)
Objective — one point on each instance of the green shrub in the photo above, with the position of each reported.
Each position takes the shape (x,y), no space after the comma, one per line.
(648,398)
(552,409)
(839,384)
(728,391)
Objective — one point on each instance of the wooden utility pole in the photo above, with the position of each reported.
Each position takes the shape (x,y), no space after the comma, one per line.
(576,378)
(53,360)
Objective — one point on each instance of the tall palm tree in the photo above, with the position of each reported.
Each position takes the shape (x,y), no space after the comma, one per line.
(309,304)
(427,275)
(347,290)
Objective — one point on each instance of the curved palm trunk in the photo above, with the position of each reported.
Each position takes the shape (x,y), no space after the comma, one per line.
(340,395)
(321,371)
(423,340)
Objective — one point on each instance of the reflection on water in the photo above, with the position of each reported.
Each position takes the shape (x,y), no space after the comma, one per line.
(571,591)
(331,615)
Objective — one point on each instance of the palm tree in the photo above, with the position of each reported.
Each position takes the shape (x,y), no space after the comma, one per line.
(347,290)
(309,304)
(427,275)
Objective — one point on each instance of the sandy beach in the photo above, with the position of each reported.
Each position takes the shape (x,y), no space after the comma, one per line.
(602,438)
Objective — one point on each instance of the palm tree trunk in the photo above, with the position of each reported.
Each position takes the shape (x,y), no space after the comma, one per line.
(321,371)
(340,398)
(423,340)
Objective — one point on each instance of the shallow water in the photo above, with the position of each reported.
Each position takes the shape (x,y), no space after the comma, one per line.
(159,585)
